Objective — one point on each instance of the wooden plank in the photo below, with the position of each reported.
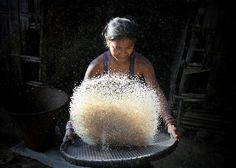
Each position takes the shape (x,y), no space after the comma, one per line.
(190,97)
(193,70)
(194,95)
(203,119)
(212,130)
(35,83)
(28,58)
(203,125)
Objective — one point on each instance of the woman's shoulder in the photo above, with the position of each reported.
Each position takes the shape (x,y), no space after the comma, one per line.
(142,61)
(144,67)
(97,60)
(95,67)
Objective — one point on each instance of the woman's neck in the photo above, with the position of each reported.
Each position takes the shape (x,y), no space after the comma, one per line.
(114,60)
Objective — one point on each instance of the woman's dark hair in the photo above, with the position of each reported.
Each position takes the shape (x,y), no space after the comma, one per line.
(118,28)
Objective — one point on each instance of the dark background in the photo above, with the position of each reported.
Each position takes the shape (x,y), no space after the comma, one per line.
(61,37)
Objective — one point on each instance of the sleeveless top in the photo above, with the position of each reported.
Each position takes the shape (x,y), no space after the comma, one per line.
(131,65)
(106,62)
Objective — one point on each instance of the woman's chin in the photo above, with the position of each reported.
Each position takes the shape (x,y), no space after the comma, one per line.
(123,59)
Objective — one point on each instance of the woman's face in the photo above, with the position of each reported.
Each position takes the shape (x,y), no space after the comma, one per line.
(121,49)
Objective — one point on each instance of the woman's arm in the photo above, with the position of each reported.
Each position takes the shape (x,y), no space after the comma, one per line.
(150,78)
(95,68)
(69,133)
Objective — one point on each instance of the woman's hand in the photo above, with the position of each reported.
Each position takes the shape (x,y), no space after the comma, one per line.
(172,130)
(69,136)
(70,133)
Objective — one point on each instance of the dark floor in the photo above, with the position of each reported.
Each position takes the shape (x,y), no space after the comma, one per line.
(197,149)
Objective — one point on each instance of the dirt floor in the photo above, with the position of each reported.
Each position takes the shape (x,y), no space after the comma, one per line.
(196,149)
(199,150)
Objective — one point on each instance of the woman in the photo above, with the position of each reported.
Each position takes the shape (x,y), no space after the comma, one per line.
(120,35)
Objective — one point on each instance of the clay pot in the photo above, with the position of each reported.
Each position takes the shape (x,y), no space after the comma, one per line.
(36,112)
